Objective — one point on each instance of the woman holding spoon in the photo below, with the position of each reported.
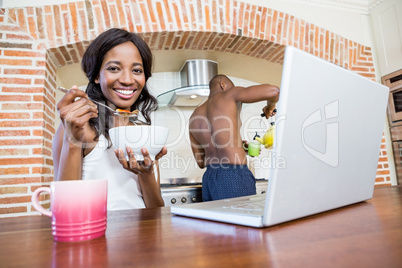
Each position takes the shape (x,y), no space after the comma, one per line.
(118,64)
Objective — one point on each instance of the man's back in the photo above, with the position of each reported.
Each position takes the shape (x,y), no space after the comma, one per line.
(215,126)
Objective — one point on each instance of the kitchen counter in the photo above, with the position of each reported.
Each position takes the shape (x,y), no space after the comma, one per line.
(367,234)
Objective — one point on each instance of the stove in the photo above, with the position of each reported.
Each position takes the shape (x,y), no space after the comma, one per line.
(187,191)
(181,194)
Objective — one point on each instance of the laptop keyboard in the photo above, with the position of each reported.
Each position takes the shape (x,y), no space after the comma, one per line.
(256,204)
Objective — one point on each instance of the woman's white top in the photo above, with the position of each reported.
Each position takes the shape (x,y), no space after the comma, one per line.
(124,190)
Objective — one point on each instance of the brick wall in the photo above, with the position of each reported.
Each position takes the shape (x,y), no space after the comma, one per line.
(35,41)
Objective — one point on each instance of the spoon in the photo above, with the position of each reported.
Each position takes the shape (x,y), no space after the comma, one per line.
(124,113)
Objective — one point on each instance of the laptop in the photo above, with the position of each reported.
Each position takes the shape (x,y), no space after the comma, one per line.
(329,127)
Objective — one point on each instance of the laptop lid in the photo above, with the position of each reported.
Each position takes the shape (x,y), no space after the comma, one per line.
(329,127)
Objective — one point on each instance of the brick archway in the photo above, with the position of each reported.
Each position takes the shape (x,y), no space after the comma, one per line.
(35,41)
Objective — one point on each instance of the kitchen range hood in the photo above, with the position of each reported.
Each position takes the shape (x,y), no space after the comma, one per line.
(195,76)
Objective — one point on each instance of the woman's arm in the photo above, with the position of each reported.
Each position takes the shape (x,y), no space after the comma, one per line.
(151,191)
(150,186)
(73,134)
(157,157)
(67,158)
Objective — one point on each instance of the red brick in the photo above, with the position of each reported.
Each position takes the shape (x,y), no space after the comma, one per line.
(32,27)
(14,133)
(13,151)
(20,106)
(15,200)
(207,18)
(48,161)
(105,17)
(50,28)
(18,142)
(11,210)
(19,180)
(22,19)
(15,81)
(16,62)
(23,90)
(33,188)
(18,37)
(15,116)
(382,172)
(114,17)
(44,205)
(24,71)
(13,190)
(20,161)
(18,98)
(41,170)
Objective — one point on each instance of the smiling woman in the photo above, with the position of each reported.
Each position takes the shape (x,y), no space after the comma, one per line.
(121,76)
(117,64)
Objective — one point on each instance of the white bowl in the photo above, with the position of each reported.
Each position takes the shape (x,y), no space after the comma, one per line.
(153,138)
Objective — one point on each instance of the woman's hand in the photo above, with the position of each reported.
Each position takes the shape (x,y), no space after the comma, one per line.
(75,115)
(150,186)
(161,153)
(132,164)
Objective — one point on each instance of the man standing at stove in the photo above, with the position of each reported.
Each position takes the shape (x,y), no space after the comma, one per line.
(216,141)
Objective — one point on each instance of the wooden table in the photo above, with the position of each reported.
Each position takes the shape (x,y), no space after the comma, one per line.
(368,234)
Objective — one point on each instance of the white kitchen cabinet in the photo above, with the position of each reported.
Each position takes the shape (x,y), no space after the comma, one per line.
(387,26)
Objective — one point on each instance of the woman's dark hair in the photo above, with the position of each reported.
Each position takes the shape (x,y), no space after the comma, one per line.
(91,65)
